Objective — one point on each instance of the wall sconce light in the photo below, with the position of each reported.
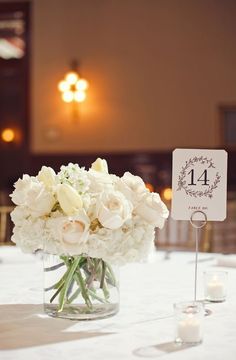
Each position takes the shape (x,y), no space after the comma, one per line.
(73,87)
(11,135)
(8,135)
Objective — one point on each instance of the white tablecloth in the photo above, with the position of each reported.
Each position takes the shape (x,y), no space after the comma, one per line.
(144,327)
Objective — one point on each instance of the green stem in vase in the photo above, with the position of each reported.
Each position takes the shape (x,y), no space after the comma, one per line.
(63,292)
(58,284)
(93,267)
(103,274)
(111,275)
(57,292)
(95,296)
(105,291)
(84,292)
(83,271)
(74,296)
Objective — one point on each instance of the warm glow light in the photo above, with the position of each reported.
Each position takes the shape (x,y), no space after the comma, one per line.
(82,84)
(167,194)
(149,187)
(71,78)
(63,86)
(68,96)
(79,96)
(72,88)
(8,135)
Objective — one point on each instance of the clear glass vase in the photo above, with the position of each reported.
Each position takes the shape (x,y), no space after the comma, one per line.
(80,287)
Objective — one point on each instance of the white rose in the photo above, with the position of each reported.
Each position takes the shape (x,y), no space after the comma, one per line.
(99,180)
(31,193)
(113,209)
(69,199)
(75,233)
(47,176)
(152,210)
(100,165)
(132,187)
(40,201)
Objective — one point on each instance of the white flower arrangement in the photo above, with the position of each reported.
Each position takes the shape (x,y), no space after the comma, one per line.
(90,219)
(86,212)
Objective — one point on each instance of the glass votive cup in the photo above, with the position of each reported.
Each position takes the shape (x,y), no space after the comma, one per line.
(189,318)
(215,285)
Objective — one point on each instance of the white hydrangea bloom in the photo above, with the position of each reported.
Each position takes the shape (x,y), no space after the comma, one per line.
(29,234)
(75,176)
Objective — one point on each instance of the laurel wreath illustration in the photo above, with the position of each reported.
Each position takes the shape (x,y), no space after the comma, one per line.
(208,192)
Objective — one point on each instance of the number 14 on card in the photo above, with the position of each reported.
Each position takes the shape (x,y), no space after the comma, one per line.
(199,178)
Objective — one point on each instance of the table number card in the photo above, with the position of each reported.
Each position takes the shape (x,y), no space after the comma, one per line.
(199,183)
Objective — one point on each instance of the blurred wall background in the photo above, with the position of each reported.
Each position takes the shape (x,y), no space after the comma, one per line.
(158,70)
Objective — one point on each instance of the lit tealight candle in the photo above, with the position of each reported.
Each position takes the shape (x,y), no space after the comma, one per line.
(215,289)
(189,322)
(189,330)
(215,286)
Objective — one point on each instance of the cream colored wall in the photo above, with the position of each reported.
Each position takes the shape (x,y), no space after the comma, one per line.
(157,71)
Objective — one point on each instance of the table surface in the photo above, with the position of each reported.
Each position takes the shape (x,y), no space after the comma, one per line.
(144,327)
